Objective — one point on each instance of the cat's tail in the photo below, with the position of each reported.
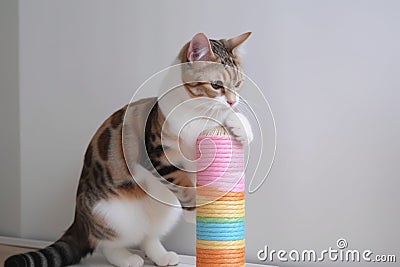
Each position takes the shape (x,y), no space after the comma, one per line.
(68,250)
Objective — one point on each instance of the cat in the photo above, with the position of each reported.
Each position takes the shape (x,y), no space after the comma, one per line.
(141,141)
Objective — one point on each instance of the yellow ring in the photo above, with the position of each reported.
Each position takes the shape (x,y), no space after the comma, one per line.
(206,244)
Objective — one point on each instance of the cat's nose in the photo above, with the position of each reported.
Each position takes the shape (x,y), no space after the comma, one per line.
(231,102)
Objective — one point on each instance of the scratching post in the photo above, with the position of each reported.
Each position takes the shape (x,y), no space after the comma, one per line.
(220,227)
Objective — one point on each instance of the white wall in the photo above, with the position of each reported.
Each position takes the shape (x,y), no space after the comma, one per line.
(9,121)
(328,68)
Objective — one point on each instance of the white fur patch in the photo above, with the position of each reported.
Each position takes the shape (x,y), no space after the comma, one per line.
(135,219)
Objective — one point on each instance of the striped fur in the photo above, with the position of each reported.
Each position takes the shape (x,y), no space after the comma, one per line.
(68,250)
(106,183)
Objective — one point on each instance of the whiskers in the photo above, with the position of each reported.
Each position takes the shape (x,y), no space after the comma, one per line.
(243,106)
(208,112)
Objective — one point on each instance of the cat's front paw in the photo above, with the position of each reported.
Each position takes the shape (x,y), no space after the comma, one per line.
(121,257)
(239,127)
(133,261)
(170,258)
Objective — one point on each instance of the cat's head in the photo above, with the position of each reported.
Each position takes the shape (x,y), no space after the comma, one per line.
(213,68)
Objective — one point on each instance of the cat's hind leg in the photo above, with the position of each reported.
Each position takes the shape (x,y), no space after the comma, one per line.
(121,257)
(157,253)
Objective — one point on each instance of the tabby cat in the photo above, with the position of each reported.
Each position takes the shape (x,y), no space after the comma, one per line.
(114,211)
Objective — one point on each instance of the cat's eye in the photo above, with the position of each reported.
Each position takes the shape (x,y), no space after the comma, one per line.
(217,84)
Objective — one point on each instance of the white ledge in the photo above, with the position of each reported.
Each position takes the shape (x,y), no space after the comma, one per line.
(97,259)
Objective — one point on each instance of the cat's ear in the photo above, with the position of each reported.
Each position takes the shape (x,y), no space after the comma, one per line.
(200,49)
(235,42)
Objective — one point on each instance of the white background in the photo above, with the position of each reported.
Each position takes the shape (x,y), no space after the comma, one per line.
(330,70)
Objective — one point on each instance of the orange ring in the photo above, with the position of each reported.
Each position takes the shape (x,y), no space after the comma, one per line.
(202,251)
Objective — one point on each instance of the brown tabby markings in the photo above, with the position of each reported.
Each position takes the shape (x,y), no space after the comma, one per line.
(105,174)
(221,50)
(98,182)
(88,156)
(117,118)
(225,56)
(103,144)
(100,229)
(177,180)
